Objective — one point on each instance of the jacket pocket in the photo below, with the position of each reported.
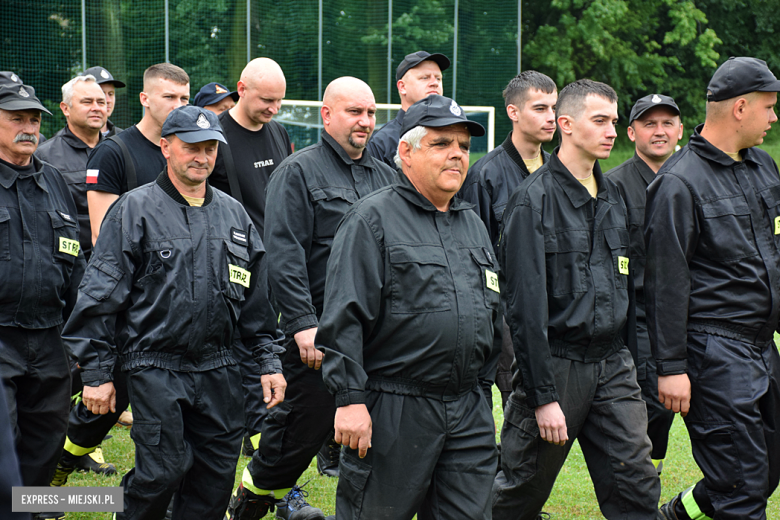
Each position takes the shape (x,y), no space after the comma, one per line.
(330,206)
(157,255)
(146,432)
(237,277)
(100,279)
(66,236)
(5,235)
(617,240)
(717,455)
(566,256)
(727,219)
(519,442)
(488,277)
(354,474)
(420,281)
(274,431)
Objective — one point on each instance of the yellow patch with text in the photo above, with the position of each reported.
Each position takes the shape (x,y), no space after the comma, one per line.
(492,280)
(69,246)
(777,226)
(623,265)
(239,275)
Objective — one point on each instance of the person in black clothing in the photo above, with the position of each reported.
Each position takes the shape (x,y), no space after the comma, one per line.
(566,303)
(215,97)
(40,267)
(163,301)
(411,295)
(654,125)
(530,101)
(307,197)
(418,76)
(109,85)
(712,284)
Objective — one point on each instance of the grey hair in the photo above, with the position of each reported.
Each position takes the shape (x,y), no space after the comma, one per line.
(413,138)
(67,88)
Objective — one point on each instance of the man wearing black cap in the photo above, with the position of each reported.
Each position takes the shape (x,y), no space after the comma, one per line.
(164,300)
(407,334)
(567,297)
(40,267)
(419,75)
(109,85)
(307,196)
(215,97)
(654,126)
(712,282)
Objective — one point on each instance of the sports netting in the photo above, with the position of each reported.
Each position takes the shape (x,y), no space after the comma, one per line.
(46,42)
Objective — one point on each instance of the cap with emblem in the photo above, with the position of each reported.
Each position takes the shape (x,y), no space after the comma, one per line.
(193,124)
(8,78)
(415,58)
(738,76)
(212,94)
(436,111)
(103,76)
(20,97)
(653,100)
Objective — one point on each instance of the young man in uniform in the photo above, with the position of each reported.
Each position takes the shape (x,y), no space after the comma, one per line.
(307,196)
(418,76)
(109,85)
(215,97)
(530,104)
(566,303)
(166,87)
(712,281)
(40,269)
(256,145)
(407,335)
(163,301)
(654,126)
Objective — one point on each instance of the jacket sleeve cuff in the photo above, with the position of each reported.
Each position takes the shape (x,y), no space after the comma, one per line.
(671,367)
(97,377)
(537,397)
(348,397)
(268,356)
(308,321)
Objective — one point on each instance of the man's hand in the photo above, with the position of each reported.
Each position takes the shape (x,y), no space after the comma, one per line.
(674,392)
(274,386)
(353,427)
(552,423)
(309,355)
(99,399)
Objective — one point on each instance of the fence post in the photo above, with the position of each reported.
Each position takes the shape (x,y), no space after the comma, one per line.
(455,55)
(83,36)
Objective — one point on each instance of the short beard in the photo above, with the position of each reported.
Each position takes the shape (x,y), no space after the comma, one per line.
(22,137)
(355,145)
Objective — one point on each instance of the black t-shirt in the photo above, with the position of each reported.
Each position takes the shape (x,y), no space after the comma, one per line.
(256,154)
(106,165)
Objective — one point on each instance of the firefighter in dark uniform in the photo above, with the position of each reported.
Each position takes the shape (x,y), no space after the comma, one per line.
(654,126)
(308,195)
(109,85)
(712,282)
(40,266)
(177,271)
(407,332)
(564,256)
(418,76)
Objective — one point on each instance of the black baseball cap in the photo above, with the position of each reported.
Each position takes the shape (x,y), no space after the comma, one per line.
(436,111)
(742,75)
(213,93)
(20,97)
(193,124)
(653,100)
(103,76)
(415,58)
(8,78)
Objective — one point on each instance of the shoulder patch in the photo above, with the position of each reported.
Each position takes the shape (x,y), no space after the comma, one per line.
(239,237)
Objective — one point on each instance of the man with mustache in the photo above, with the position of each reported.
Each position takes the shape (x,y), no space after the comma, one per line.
(307,196)
(418,76)
(564,260)
(40,268)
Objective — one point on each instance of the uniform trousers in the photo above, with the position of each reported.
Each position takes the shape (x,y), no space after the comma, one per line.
(605,412)
(187,429)
(659,419)
(36,379)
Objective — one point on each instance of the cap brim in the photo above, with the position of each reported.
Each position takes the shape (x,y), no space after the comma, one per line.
(200,136)
(475,129)
(22,104)
(235,96)
(116,82)
(772,87)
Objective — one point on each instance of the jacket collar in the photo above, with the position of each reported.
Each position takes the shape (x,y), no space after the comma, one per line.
(406,189)
(164,182)
(708,151)
(644,170)
(365,159)
(75,142)
(8,175)
(513,154)
(577,193)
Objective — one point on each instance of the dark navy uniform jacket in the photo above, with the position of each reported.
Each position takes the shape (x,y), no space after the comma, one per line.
(308,194)
(168,286)
(40,259)
(564,256)
(410,300)
(383,145)
(712,230)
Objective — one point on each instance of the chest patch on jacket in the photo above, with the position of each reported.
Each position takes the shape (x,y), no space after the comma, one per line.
(492,281)
(239,275)
(69,246)
(238,236)
(777,225)
(623,265)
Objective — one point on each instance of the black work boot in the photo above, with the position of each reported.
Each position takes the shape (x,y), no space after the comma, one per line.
(247,449)
(294,507)
(65,466)
(328,458)
(667,512)
(245,505)
(94,461)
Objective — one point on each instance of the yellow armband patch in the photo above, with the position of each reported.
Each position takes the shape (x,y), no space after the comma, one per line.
(69,246)
(239,275)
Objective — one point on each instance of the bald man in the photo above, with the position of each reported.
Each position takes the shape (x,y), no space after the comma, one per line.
(307,197)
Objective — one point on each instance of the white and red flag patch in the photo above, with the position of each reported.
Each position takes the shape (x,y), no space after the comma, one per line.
(92,176)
